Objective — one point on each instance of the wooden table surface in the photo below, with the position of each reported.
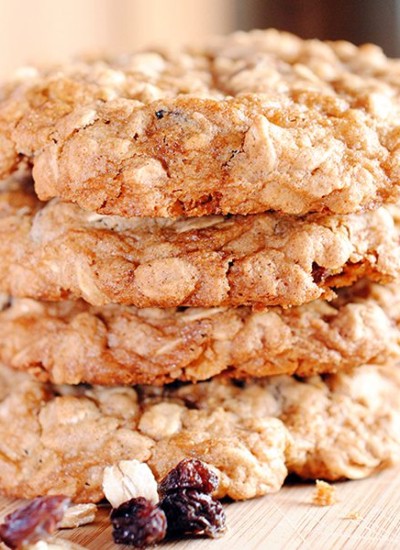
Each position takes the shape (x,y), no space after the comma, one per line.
(288,521)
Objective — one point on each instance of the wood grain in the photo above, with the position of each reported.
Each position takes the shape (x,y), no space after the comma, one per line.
(287,520)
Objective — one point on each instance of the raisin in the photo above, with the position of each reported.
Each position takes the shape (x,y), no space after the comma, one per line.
(318,273)
(138,523)
(33,522)
(191,512)
(160,114)
(189,474)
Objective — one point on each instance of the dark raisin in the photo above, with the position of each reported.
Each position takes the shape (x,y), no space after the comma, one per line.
(191,512)
(160,114)
(239,383)
(318,273)
(189,474)
(33,522)
(138,523)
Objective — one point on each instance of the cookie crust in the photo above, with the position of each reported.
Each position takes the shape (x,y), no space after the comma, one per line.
(58,439)
(56,251)
(250,122)
(119,345)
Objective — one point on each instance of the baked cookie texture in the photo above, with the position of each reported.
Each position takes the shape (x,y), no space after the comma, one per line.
(204,204)
(58,439)
(56,251)
(250,122)
(119,345)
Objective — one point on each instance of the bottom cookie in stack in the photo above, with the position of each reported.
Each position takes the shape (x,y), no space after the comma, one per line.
(58,439)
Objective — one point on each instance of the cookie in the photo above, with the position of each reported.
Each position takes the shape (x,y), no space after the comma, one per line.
(58,439)
(56,251)
(120,345)
(250,122)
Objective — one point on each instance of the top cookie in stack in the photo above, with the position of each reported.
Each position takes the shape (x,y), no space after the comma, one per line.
(256,171)
(250,123)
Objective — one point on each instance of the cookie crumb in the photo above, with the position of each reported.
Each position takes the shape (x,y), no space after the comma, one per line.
(129,479)
(324,494)
(80,514)
(59,544)
(353,515)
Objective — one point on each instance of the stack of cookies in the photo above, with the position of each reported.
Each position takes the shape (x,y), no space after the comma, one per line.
(199,259)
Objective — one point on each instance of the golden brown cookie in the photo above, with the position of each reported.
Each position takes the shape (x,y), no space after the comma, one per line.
(250,122)
(58,439)
(56,250)
(73,342)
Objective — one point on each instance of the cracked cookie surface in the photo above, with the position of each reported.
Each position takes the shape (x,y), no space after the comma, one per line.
(111,345)
(250,122)
(56,250)
(58,439)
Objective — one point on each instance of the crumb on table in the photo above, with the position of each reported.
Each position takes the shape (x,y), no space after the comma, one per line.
(324,494)
(353,515)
